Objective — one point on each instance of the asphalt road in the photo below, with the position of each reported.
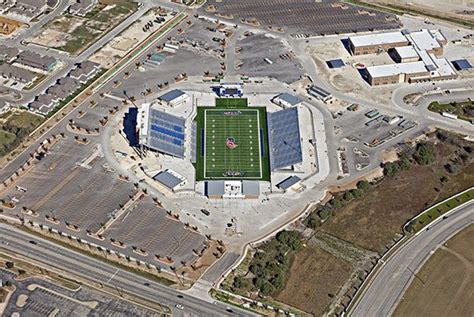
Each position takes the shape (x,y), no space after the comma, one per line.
(88,268)
(387,287)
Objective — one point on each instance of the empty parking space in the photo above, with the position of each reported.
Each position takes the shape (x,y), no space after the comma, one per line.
(305,16)
(260,55)
(148,227)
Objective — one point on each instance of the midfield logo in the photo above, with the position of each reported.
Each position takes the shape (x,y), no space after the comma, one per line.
(230,143)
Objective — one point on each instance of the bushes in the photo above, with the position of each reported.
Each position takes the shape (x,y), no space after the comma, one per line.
(339,200)
(424,153)
(290,238)
(270,264)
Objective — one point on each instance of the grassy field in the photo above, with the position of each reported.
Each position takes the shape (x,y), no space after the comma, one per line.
(464,110)
(232,144)
(448,281)
(14,129)
(6,138)
(314,277)
(372,222)
(232,141)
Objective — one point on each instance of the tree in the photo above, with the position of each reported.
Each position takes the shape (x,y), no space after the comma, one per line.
(240,283)
(290,238)
(391,169)
(424,153)
(363,185)
(404,164)
(277,281)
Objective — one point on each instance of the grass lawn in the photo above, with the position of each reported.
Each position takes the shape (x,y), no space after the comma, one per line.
(426,218)
(232,141)
(314,277)
(15,128)
(464,110)
(25,119)
(448,282)
(6,138)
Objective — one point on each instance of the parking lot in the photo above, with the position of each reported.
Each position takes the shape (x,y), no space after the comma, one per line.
(189,63)
(37,297)
(304,16)
(148,227)
(59,187)
(360,141)
(260,55)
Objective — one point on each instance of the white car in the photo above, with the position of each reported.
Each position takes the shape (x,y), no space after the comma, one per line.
(179,306)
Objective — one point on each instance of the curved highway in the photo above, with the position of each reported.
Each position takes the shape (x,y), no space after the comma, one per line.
(55,256)
(381,296)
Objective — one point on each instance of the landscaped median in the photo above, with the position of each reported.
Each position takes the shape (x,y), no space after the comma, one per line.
(461,110)
(429,215)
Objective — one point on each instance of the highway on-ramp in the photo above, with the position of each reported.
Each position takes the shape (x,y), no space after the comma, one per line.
(66,260)
(387,287)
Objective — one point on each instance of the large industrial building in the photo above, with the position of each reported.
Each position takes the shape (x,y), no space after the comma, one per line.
(374,43)
(417,56)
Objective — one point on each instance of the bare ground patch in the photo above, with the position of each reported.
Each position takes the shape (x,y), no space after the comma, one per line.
(448,276)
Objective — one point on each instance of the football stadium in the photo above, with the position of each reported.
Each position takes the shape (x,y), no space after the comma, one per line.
(232,141)
(222,146)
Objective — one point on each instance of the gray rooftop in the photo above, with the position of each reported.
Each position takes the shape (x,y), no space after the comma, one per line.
(288,182)
(17,73)
(292,100)
(42,104)
(36,60)
(171,95)
(167,179)
(251,188)
(8,53)
(284,138)
(84,69)
(215,188)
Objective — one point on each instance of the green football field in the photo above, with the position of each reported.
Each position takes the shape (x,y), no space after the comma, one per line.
(232,143)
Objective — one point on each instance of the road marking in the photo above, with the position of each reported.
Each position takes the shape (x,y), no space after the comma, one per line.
(113,275)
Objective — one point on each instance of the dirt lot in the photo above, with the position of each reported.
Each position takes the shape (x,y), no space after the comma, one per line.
(325,274)
(74,34)
(450,271)
(373,221)
(9,26)
(449,9)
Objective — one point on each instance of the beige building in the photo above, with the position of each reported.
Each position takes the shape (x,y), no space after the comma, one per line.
(375,43)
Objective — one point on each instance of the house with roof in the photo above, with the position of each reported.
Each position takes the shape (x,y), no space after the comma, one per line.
(63,88)
(27,9)
(81,7)
(8,54)
(24,76)
(84,71)
(43,104)
(36,61)
(174,98)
